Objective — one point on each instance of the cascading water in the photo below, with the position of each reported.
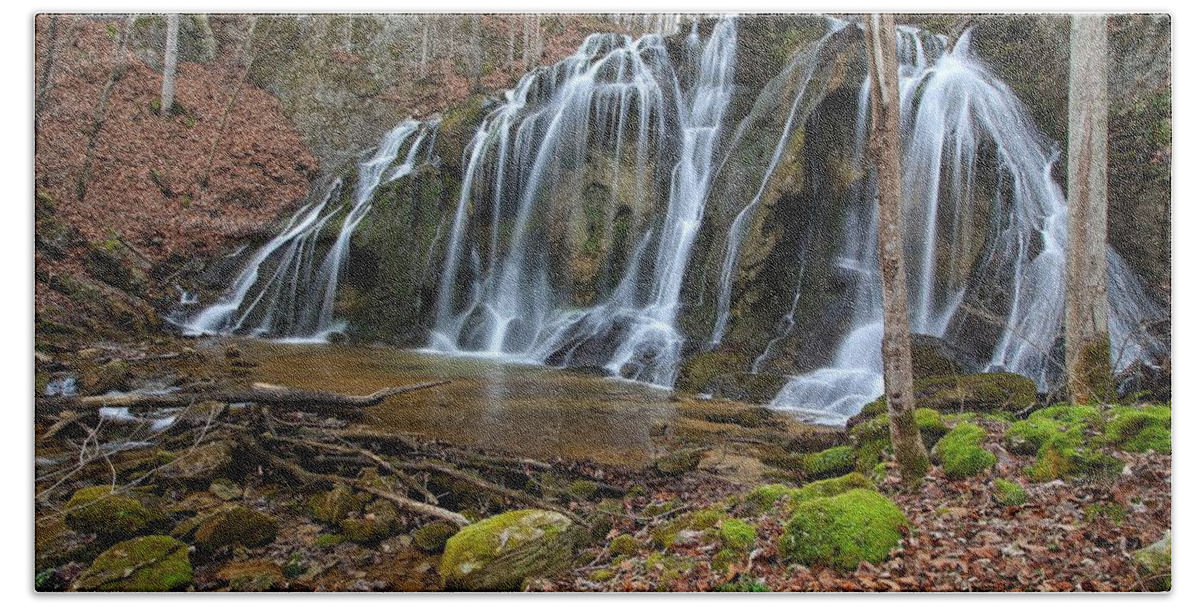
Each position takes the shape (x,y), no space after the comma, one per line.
(296,300)
(954,112)
(613,95)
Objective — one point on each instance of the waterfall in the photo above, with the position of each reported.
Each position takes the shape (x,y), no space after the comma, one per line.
(954,112)
(296,299)
(617,98)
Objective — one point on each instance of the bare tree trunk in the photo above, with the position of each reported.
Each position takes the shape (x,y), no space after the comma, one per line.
(101,110)
(43,84)
(476,53)
(247,56)
(897,346)
(425,47)
(512,41)
(1089,372)
(170,62)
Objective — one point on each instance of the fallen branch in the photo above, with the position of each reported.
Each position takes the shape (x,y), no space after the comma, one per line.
(262,394)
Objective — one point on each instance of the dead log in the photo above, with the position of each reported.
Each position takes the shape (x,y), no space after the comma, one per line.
(281,397)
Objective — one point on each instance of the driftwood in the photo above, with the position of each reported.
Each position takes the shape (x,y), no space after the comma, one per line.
(262,394)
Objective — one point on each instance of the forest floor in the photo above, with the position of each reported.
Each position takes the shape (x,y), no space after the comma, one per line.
(652,527)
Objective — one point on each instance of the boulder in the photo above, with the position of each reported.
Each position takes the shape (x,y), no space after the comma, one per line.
(97,510)
(679,462)
(201,463)
(1154,564)
(432,538)
(961,452)
(843,530)
(148,563)
(502,552)
(254,575)
(235,526)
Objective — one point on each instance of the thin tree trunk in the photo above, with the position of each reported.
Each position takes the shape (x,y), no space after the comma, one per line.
(248,58)
(425,48)
(476,54)
(1089,372)
(897,347)
(102,108)
(170,62)
(43,85)
(512,42)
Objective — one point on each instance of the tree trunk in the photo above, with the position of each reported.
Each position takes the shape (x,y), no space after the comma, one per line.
(425,48)
(476,54)
(101,110)
(43,81)
(897,347)
(1089,372)
(170,61)
(247,57)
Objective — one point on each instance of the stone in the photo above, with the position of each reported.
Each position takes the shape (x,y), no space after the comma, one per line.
(201,463)
(500,553)
(961,452)
(253,575)
(235,526)
(432,538)
(148,563)
(97,510)
(1154,564)
(679,462)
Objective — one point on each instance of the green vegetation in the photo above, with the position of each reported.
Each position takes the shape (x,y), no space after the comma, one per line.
(1008,493)
(843,530)
(148,563)
(961,453)
(1141,429)
(833,462)
(738,535)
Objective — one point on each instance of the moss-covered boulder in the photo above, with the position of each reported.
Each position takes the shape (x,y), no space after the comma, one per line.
(148,563)
(379,519)
(253,575)
(679,461)
(961,452)
(235,526)
(989,392)
(500,553)
(843,530)
(1067,440)
(97,510)
(830,487)
(111,376)
(335,505)
(833,462)
(201,464)
(738,535)
(432,537)
(1140,429)
(1154,564)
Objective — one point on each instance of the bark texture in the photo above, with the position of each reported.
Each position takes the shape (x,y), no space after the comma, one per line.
(897,342)
(1089,372)
(170,62)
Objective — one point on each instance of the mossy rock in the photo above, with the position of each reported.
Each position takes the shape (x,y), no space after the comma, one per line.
(1008,493)
(582,489)
(672,533)
(833,462)
(112,376)
(148,563)
(1063,456)
(931,425)
(624,545)
(843,530)
(988,392)
(1154,564)
(1026,437)
(738,535)
(961,452)
(333,506)
(96,510)
(763,498)
(830,487)
(201,464)
(500,553)
(1141,429)
(432,537)
(235,526)
(679,462)
(254,575)
(379,520)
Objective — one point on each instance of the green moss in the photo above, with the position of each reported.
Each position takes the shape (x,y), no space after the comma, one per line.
(843,530)
(235,526)
(656,509)
(1026,437)
(432,537)
(148,564)
(326,541)
(664,536)
(1154,564)
(697,372)
(500,552)
(1070,414)
(624,545)
(743,586)
(1109,511)
(961,453)
(833,462)
(582,489)
(1008,493)
(830,487)
(96,510)
(999,391)
(379,520)
(868,455)
(1141,429)
(333,506)
(602,575)
(1064,456)
(763,498)
(930,424)
(738,535)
